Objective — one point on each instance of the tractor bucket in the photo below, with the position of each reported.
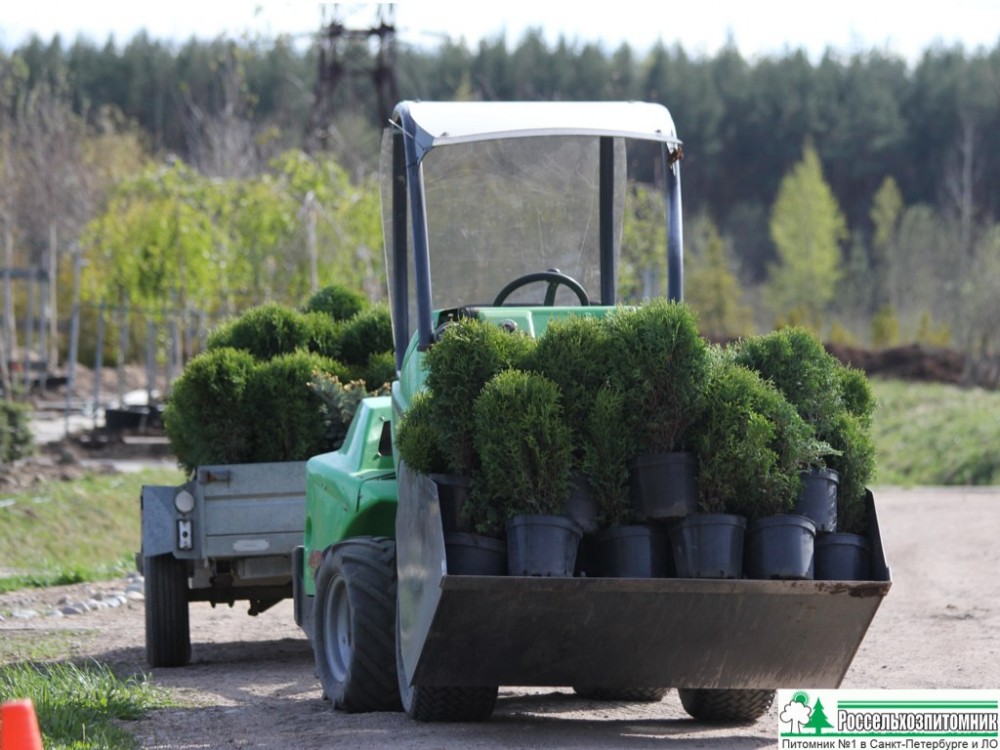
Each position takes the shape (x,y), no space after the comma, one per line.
(458,630)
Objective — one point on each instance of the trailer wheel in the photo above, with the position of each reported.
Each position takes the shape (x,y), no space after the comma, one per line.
(726,705)
(432,703)
(354,625)
(624,694)
(168,627)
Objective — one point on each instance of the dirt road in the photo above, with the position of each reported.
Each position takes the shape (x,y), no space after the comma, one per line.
(251,684)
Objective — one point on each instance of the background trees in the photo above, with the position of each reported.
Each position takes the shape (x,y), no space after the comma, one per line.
(875,173)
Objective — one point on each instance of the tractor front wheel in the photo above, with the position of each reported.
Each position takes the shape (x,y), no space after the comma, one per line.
(726,705)
(433,703)
(354,625)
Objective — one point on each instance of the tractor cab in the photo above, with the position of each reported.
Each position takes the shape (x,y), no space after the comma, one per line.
(514,212)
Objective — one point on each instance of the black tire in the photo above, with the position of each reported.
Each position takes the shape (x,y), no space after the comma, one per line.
(354,624)
(623,694)
(168,625)
(439,704)
(726,705)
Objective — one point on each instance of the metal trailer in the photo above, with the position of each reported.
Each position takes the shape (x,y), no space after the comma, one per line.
(226,535)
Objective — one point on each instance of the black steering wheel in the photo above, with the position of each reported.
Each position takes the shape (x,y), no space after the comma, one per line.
(555,278)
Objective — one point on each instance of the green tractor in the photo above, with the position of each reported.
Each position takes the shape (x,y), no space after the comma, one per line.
(483,202)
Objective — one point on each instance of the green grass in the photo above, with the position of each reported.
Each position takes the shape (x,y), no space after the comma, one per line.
(72,531)
(80,707)
(936,434)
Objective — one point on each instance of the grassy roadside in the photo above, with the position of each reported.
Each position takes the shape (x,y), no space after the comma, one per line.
(81,707)
(935,434)
(66,532)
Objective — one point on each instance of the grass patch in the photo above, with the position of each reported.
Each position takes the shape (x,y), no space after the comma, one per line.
(936,434)
(41,645)
(78,707)
(72,531)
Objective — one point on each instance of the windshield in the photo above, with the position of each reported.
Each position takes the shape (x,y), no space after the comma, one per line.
(498,210)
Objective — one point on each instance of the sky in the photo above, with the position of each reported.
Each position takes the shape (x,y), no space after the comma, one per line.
(758,28)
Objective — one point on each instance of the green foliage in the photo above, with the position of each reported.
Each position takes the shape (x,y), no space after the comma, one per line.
(366,333)
(339,402)
(836,401)
(608,446)
(469,353)
(284,408)
(795,361)
(574,353)
(807,228)
(662,362)
(885,328)
(265,331)
(206,415)
(524,443)
(339,302)
(82,706)
(855,462)
(418,441)
(751,444)
(16,439)
(711,287)
(323,334)
(932,334)
(380,370)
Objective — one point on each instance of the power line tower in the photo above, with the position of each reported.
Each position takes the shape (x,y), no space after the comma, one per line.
(334,66)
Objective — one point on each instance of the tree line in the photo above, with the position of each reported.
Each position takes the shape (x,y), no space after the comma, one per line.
(878,173)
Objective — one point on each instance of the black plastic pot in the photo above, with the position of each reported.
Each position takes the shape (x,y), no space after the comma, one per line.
(708,545)
(453,491)
(842,557)
(542,545)
(664,485)
(818,498)
(781,547)
(475,555)
(639,551)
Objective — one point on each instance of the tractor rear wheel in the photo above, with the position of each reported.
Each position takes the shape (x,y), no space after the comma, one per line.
(726,705)
(168,624)
(448,703)
(354,625)
(624,694)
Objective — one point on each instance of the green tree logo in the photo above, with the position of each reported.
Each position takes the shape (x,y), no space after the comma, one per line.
(818,720)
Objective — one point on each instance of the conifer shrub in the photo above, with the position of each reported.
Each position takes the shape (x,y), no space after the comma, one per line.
(467,356)
(751,445)
(417,440)
(366,333)
(285,409)
(337,302)
(264,331)
(208,415)
(16,439)
(526,448)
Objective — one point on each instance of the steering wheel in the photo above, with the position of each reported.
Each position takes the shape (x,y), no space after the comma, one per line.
(554,277)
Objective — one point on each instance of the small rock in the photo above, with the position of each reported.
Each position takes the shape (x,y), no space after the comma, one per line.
(23,614)
(135,588)
(74,609)
(135,596)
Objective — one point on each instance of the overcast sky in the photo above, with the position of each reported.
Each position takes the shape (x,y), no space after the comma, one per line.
(764,27)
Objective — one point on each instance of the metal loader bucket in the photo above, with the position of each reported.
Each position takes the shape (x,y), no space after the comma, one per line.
(694,633)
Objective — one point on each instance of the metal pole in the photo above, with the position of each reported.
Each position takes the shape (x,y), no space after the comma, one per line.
(150,359)
(98,361)
(74,335)
(29,338)
(122,351)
